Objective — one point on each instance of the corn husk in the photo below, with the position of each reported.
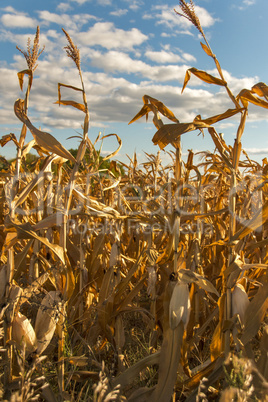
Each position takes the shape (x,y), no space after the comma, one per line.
(180,306)
(240,301)
(46,319)
(23,334)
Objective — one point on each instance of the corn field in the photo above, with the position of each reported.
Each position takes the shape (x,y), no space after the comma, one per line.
(134,282)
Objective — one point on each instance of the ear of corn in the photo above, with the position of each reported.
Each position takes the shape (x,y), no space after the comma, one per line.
(180,306)
(46,319)
(23,334)
(240,301)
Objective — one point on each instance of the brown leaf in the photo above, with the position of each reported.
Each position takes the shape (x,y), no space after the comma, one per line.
(202,75)
(154,106)
(45,140)
(77,105)
(260,89)
(206,49)
(168,364)
(247,96)
(25,231)
(21,77)
(256,311)
(111,155)
(67,86)
(161,108)
(143,112)
(258,220)
(8,137)
(170,132)
(222,116)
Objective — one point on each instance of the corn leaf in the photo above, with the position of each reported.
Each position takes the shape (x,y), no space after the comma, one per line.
(202,75)
(206,49)
(25,231)
(111,155)
(171,132)
(261,89)
(77,105)
(247,96)
(21,77)
(45,140)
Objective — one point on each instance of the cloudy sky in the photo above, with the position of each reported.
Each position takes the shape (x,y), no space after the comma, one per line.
(130,48)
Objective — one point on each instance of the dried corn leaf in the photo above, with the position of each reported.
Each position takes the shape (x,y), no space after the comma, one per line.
(256,222)
(169,133)
(247,96)
(161,108)
(25,231)
(206,49)
(76,105)
(261,89)
(168,364)
(188,276)
(262,363)
(143,112)
(111,155)
(26,149)
(43,139)
(256,311)
(21,77)
(202,75)
(8,137)
(155,106)
(142,394)
(50,221)
(226,115)
(217,342)
(127,376)
(67,86)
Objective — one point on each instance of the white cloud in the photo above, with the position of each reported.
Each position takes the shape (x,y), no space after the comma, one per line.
(245,4)
(164,14)
(18,21)
(188,57)
(163,57)
(65,20)
(249,2)
(119,13)
(64,7)
(105,2)
(106,35)
(80,2)
(120,62)
(135,5)
(257,151)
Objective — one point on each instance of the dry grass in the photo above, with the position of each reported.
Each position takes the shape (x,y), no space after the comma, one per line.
(143,286)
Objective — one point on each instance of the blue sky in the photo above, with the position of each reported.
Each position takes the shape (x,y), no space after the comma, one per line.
(129,49)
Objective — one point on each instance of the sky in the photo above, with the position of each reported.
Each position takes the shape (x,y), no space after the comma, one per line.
(131,48)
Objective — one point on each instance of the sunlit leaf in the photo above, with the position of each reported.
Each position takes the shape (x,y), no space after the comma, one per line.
(45,140)
(260,89)
(247,96)
(21,77)
(202,75)
(111,155)
(77,105)
(206,49)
